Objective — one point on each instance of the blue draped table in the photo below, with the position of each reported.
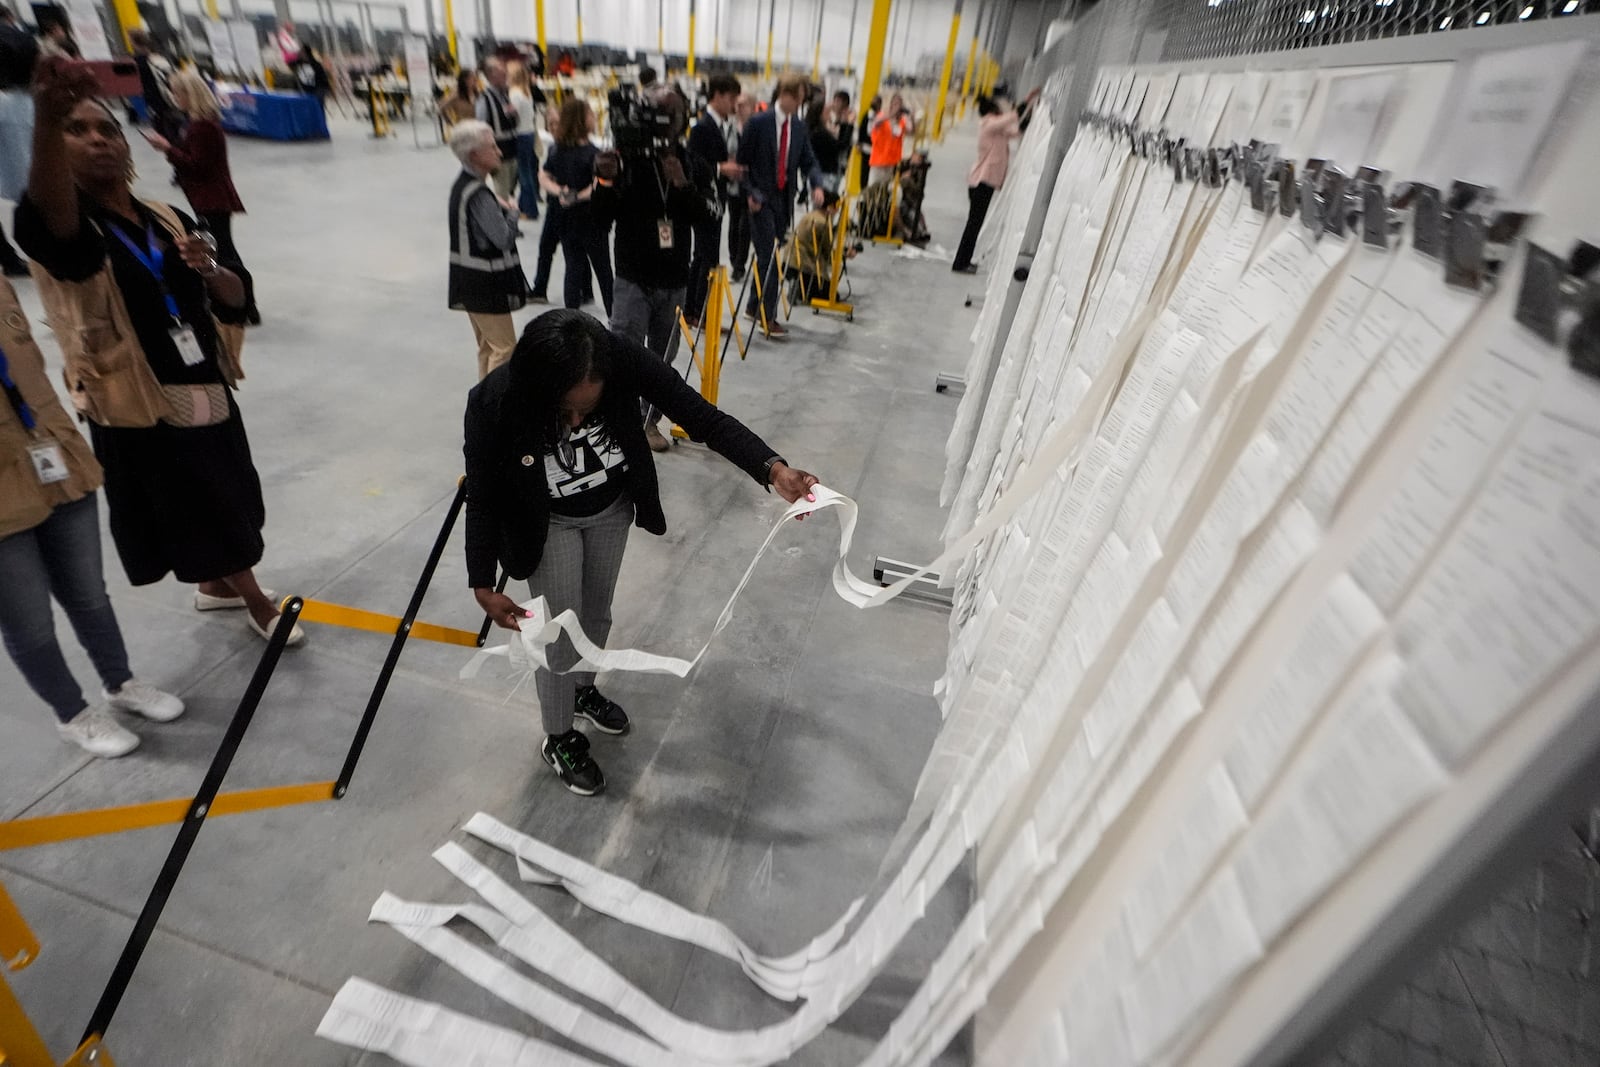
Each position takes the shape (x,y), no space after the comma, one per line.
(277,116)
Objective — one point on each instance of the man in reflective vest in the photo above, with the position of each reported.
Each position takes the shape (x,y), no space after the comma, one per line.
(486,279)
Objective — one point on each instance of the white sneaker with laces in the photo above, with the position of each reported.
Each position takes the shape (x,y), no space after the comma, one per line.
(145,700)
(97,733)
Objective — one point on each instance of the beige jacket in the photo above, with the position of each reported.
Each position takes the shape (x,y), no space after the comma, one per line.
(107,375)
(24,502)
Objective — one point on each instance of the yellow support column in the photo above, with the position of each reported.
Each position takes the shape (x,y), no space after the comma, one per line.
(788,38)
(691,41)
(966,79)
(450,28)
(872,74)
(772,23)
(128,18)
(212,11)
(850,45)
(580,23)
(661,30)
(816,55)
(871,77)
(944,75)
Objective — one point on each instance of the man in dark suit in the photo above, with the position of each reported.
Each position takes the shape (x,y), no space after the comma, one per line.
(708,146)
(774,152)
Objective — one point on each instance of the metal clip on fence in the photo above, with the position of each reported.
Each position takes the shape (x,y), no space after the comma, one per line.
(1560,301)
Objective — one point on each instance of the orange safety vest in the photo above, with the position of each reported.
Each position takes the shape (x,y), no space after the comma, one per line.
(887,143)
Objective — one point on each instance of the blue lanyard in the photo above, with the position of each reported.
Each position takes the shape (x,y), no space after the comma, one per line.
(13,394)
(152,259)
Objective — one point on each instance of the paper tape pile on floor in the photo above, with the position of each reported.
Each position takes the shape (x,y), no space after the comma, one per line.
(1194,396)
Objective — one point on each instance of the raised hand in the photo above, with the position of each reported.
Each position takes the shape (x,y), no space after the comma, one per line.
(58,86)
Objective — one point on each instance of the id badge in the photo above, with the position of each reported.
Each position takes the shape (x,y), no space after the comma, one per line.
(664,232)
(188,345)
(48,462)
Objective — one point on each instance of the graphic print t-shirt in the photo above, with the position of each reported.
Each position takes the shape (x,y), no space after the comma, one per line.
(586,479)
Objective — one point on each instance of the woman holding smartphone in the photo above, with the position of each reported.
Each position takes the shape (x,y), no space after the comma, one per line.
(136,298)
(199,155)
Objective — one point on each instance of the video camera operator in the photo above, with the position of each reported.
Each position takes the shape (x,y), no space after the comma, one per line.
(649,189)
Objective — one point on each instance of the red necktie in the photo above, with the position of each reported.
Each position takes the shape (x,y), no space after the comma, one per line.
(783,156)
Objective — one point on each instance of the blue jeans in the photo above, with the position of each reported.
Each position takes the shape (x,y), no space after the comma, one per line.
(528,174)
(61,556)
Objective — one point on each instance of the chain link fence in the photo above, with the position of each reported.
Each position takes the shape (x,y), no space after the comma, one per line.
(1516,986)
(1209,29)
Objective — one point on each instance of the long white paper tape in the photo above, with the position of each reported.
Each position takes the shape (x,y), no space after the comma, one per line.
(567,1017)
(422,1034)
(780,976)
(519,927)
(527,650)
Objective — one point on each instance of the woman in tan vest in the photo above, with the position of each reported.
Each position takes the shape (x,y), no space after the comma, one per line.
(50,544)
(144,315)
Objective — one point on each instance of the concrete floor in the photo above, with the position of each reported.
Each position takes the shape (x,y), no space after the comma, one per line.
(762,790)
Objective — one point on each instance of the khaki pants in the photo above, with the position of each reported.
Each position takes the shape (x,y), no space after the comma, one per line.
(496,338)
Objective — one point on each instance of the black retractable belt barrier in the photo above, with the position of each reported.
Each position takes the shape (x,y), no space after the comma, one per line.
(402,631)
(122,973)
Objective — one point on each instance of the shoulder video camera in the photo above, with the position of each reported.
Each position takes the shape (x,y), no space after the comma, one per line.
(639,128)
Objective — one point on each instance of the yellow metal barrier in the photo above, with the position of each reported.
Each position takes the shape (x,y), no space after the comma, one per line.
(831,303)
(708,357)
(889,238)
(20,1043)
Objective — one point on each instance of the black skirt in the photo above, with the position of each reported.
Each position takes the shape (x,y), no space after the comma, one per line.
(184,501)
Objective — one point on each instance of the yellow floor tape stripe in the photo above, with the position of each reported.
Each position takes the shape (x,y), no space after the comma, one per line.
(357,619)
(47,829)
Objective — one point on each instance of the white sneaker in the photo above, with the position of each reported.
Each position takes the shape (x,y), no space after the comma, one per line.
(297,636)
(207,602)
(96,732)
(146,700)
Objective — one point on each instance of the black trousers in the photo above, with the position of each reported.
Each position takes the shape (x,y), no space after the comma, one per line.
(707,254)
(767,228)
(549,241)
(584,248)
(738,234)
(978,199)
(221,226)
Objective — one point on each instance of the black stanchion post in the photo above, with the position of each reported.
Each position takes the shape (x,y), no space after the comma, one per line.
(488,623)
(122,973)
(398,645)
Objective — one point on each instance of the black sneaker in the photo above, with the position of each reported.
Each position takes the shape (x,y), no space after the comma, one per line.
(605,716)
(568,756)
